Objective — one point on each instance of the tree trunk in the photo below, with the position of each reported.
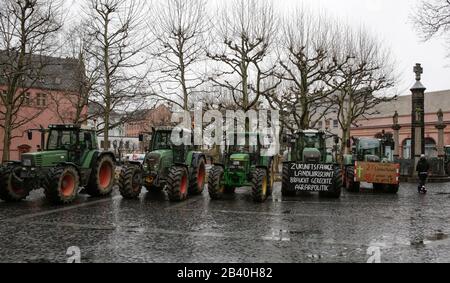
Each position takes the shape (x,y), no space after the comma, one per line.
(7,137)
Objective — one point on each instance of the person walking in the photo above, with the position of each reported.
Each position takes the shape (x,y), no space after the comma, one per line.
(423,169)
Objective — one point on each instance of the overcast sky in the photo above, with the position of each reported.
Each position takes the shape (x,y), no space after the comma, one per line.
(390,20)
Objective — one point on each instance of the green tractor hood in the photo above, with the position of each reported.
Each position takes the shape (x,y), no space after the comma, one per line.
(45,158)
(242,157)
(159,159)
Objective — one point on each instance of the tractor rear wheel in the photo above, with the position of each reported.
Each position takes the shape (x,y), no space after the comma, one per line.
(350,183)
(178,184)
(260,185)
(10,189)
(286,191)
(336,189)
(216,188)
(198,178)
(102,178)
(130,182)
(61,185)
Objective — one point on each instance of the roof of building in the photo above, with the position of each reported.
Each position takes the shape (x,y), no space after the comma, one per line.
(49,73)
(433,102)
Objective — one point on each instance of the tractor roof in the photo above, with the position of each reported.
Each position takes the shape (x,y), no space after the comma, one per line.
(311,132)
(69,127)
(170,129)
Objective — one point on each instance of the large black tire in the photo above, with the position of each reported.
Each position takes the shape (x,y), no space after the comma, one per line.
(216,189)
(61,185)
(336,190)
(286,191)
(197,179)
(10,191)
(101,182)
(130,182)
(260,184)
(350,184)
(178,184)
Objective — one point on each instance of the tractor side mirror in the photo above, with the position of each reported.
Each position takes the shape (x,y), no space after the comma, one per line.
(30,135)
(141,137)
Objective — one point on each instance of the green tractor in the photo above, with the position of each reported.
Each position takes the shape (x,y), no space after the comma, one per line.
(243,166)
(180,170)
(447,159)
(310,168)
(71,159)
(371,162)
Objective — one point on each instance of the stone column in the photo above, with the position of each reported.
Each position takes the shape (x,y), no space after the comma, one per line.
(396,127)
(441,127)
(418,118)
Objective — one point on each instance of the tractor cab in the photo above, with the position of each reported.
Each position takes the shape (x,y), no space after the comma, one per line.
(65,143)
(241,153)
(372,150)
(309,146)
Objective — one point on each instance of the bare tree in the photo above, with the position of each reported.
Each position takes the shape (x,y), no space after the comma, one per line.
(27,31)
(74,104)
(432,18)
(245,34)
(361,83)
(308,62)
(117,28)
(179,29)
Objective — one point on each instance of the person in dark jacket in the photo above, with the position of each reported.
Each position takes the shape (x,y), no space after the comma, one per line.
(423,168)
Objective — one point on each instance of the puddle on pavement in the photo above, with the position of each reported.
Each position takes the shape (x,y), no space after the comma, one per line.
(431,239)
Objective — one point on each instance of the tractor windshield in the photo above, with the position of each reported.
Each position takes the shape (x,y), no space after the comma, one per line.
(447,151)
(61,139)
(312,141)
(238,144)
(162,141)
(370,147)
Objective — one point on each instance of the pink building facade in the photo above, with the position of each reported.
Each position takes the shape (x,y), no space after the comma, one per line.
(383,121)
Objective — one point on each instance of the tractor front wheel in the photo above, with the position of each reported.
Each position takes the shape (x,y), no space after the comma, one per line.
(10,189)
(102,178)
(130,182)
(61,185)
(286,191)
(198,178)
(216,188)
(260,185)
(178,184)
(350,183)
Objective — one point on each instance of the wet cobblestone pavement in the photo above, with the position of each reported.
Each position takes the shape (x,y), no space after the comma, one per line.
(405,228)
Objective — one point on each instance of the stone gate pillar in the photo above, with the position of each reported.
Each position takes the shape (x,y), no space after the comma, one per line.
(396,127)
(418,117)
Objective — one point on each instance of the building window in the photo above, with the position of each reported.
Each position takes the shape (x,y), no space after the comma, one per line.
(27,99)
(41,100)
(4,93)
(327,124)
(335,124)
(320,124)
